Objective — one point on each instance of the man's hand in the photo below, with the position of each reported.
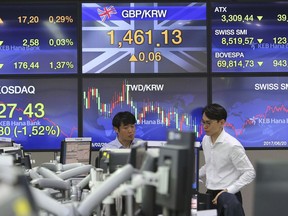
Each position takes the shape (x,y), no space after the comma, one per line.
(214,201)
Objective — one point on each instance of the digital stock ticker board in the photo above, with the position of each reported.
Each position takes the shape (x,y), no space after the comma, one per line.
(257,117)
(162,60)
(144,37)
(38,39)
(157,104)
(249,37)
(38,113)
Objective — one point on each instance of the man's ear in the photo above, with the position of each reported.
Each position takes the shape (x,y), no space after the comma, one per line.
(116,130)
(222,121)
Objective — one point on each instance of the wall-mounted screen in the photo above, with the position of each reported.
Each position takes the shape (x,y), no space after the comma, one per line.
(257,109)
(38,113)
(250,37)
(144,37)
(159,104)
(38,38)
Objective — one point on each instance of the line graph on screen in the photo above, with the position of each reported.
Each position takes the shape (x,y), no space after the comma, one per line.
(155,102)
(258,115)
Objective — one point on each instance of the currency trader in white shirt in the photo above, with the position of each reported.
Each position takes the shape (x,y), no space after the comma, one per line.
(227,167)
(124,126)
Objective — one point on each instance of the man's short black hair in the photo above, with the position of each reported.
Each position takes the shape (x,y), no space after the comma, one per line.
(123,117)
(215,112)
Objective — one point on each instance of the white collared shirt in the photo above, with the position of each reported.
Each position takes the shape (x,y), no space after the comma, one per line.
(226,164)
(115,144)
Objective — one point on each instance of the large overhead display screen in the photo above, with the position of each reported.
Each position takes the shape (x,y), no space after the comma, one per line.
(38,113)
(38,38)
(250,37)
(257,109)
(144,37)
(159,104)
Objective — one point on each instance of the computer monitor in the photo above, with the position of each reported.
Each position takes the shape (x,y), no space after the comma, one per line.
(178,155)
(113,159)
(271,188)
(150,163)
(76,150)
(118,158)
(137,155)
(14,149)
(6,142)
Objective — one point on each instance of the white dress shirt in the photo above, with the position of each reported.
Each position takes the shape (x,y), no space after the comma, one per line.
(115,144)
(226,164)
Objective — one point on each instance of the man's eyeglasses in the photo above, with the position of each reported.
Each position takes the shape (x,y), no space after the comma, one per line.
(207,123)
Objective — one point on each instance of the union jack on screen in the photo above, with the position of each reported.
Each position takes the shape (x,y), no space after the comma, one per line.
(106,12)
(100,56)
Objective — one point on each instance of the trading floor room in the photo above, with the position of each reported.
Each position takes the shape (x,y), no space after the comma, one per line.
(68,67)
(20,175)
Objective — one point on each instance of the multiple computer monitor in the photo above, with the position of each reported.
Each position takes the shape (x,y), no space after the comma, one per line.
(178,155)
